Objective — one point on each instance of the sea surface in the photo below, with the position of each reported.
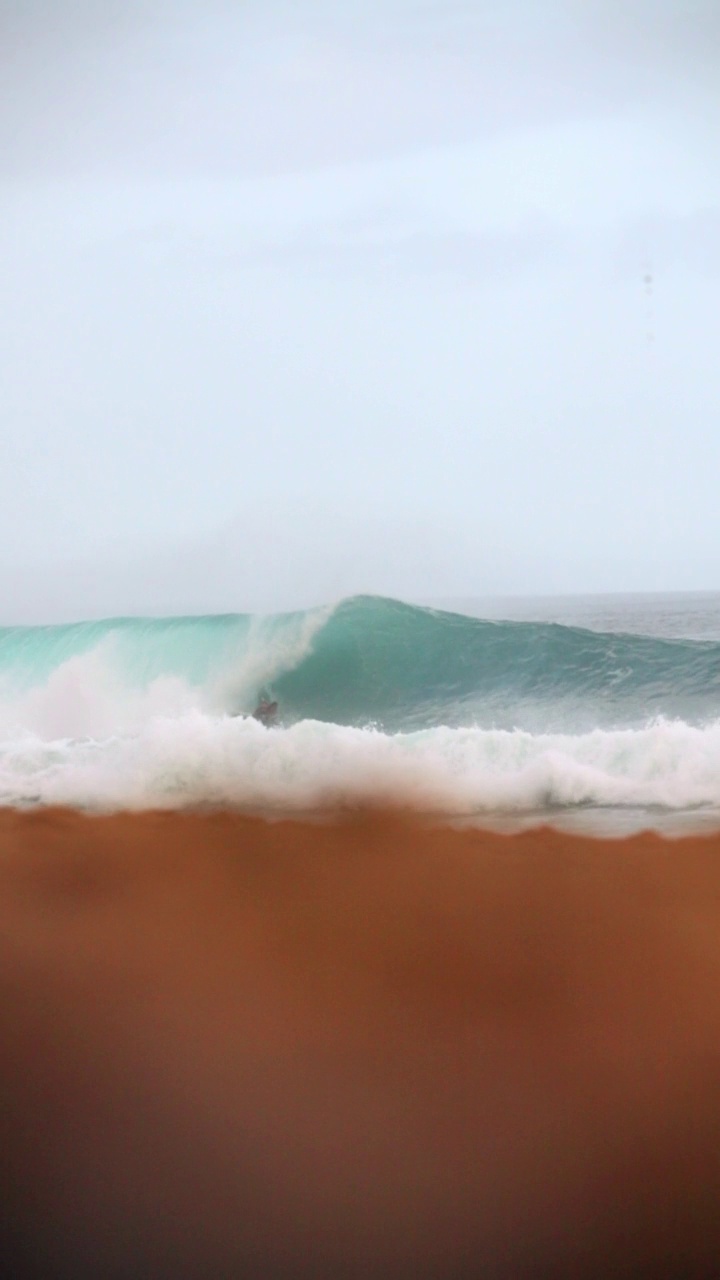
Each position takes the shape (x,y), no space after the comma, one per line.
(597,713)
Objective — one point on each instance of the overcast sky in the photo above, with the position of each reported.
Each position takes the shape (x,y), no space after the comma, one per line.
(313,297)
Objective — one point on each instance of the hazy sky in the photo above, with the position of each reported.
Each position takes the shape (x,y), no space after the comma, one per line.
(308,298)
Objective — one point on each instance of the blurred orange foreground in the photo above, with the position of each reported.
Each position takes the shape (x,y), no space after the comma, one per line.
(362,1048)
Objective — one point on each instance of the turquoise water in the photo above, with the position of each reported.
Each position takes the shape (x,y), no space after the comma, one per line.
(404,667)
(393,665)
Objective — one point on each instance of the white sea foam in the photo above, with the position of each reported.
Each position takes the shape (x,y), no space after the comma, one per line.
(193,757)
(86,695)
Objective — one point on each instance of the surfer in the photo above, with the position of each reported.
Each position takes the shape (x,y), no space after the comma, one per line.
(266,712)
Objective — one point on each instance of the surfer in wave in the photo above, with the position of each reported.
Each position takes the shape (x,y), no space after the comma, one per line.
(266,712)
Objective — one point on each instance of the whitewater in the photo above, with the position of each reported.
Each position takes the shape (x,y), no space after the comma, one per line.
(381,702)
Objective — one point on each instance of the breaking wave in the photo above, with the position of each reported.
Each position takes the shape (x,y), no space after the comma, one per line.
(380,701)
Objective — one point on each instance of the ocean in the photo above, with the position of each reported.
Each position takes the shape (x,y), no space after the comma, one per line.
(594,713)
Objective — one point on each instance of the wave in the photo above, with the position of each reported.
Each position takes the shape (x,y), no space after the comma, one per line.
(380,701)
(365,661)
(405,667)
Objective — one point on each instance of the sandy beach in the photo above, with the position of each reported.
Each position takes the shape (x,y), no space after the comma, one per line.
(365,1047)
